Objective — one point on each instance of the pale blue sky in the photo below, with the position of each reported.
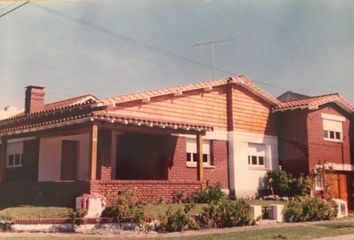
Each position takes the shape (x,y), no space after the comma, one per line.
(108,47)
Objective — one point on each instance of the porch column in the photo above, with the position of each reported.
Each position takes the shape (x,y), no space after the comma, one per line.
(200,157)
(104,154)
(3,159)
(93,151)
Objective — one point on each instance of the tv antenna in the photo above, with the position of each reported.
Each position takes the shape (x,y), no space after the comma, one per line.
(212,51)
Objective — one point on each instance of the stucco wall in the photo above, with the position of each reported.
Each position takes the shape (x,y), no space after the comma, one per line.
(50,157)
(246,180)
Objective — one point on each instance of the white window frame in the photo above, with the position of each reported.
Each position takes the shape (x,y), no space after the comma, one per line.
(332,126)
(259,154)
(319,182)
(14,149)
(191,152)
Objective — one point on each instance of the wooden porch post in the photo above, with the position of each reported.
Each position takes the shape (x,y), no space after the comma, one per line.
(3,158)
(93,151)
(200,157)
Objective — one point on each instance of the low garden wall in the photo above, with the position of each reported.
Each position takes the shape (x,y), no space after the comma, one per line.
(145,190)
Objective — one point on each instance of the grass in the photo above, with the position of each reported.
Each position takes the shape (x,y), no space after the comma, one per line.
(33,212)
(62,212)
(294,232)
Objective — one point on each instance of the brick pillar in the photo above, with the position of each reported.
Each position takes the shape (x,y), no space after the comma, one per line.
(230,105)
(104,154)
(3,159)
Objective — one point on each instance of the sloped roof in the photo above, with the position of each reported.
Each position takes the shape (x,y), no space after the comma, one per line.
(62,104)
(239,80)
(312,103)
(289,95)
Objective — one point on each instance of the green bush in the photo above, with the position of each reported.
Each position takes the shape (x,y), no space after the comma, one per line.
(226,213)
(300,186)
(211,194)
(77,216)
(277,182)
(309,209)
(178,220)
(126,207)
(283,184)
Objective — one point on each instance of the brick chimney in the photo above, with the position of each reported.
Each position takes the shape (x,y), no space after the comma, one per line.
(34,100)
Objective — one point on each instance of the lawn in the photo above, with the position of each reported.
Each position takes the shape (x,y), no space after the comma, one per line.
(62,212)
(327,229)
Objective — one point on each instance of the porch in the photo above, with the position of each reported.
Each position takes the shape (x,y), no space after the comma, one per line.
(53,166)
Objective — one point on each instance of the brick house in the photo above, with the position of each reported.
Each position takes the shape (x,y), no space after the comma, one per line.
(315,132)
(155,143)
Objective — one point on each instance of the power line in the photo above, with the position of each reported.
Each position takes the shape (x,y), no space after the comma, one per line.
(141,43)
(11,10)
(8,6)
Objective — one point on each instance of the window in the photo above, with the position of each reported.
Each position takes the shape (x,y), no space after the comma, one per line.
(332,127)
(14,160)
(192,152)
(319,182)
(256,154)
(14,154)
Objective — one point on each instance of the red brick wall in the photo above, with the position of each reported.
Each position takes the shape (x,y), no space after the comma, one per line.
(145,190)
(218,173)
(104,154)
(293,141)
(325,151)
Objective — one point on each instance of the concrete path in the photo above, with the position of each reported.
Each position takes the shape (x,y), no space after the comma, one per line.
(343,237)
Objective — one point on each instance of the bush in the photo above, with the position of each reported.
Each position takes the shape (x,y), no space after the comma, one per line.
(77,216)
(301,186)
(226,213)
(277,182)
(212,194)
(179,220)
(309,209)
(126,207)
(283,184)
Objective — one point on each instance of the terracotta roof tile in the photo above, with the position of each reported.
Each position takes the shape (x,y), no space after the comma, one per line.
(240,80)
(316,101)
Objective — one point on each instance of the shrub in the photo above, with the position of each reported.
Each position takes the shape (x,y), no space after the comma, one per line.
(301,186)
(179,220)
(211,194)
(283,184)
(126,207)
(77,216)
(226,213)
(309,209)
(277,182)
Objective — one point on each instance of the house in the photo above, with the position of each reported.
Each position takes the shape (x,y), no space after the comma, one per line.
(156,143)
(315,133)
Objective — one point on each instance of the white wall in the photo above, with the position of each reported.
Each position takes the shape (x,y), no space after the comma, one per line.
(246,180)
(50,157)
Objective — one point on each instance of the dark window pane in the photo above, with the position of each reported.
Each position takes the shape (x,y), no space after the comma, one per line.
(17,159)
(326,134)
(195,157)
(254,160)
(261,160)
(249,160)
(189,157)
(337,135)
(11,160)
(331,134)
(205,158)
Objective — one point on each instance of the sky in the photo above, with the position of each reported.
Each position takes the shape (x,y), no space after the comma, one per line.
(109,48)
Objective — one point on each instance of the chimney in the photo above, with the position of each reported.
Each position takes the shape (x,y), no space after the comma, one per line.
(34,100)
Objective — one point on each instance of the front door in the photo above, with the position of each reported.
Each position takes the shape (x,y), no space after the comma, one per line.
(69,154)
(338,184)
